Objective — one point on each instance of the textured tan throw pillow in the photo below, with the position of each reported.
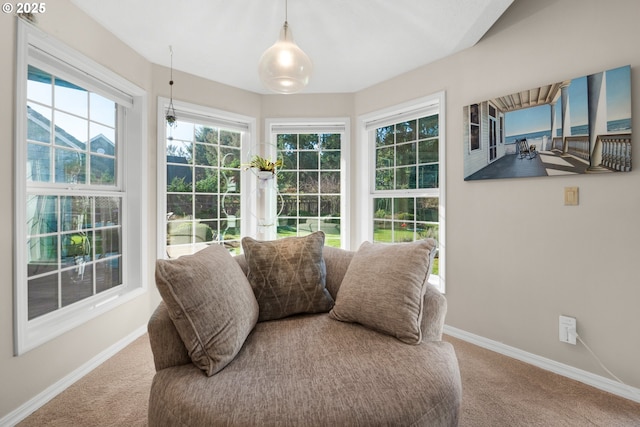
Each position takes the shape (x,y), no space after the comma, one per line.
(288,276)
(384,286)
(211,304)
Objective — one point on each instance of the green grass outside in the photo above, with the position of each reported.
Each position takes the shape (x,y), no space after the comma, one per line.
(386,236)
(331,239)
(380,235)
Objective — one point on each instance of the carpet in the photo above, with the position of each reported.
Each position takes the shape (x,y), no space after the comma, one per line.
(500,391)
(497,391)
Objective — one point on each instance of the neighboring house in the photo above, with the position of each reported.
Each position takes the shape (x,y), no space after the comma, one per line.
(71,154)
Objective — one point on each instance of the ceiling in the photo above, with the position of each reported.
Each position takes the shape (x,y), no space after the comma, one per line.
(353,44)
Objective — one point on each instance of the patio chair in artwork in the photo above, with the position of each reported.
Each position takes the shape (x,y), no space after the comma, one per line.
(526,150)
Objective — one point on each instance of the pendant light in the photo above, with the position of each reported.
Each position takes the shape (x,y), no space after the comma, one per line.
(284,67)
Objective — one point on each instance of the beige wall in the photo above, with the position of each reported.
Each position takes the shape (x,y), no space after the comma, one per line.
(517,258)
(505,281)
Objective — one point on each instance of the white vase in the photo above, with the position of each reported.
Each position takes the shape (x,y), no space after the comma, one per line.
(265,175)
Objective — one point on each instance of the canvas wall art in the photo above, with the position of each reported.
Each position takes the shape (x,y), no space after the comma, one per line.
(576,126)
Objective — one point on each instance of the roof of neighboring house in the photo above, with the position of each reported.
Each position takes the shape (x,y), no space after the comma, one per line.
(39,129)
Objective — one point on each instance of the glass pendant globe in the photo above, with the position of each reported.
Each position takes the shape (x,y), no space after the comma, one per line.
(284,67)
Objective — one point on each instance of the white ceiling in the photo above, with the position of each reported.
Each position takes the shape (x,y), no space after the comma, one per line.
(353,44)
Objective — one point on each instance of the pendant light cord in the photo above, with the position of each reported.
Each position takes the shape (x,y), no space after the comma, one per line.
(286,17)
(171,81)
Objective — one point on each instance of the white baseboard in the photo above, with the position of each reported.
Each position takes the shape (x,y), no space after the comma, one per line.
(568,371)
(29,407)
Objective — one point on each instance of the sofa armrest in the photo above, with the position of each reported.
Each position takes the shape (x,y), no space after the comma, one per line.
(166,344)
(433,314)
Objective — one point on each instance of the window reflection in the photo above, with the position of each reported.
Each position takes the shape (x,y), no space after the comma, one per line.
(64,124)
(74,249)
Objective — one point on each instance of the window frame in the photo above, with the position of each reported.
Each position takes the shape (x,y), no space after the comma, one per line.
(330,125)
(366,165)
(35,47)
(493,126)
(215,118)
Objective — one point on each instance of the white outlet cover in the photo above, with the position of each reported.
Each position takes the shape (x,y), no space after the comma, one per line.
(565,325)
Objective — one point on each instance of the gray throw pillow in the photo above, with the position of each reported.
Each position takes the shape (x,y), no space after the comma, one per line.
(288,276)
(384,286)
(211,304)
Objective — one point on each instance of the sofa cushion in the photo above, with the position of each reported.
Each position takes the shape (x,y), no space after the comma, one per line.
(211,304)
(288,276)
(384,288)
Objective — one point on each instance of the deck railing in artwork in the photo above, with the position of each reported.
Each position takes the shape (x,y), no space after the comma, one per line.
(616,151)
(578,146)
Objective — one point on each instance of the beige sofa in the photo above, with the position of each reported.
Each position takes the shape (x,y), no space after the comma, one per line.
(311,370)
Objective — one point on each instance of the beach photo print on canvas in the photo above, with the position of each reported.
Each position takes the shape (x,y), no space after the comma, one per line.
(576,126)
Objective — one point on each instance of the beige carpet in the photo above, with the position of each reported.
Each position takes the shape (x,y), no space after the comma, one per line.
(113,394)
(497,391)
(501,391)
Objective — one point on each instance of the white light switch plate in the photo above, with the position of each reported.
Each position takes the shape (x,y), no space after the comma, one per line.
(570,196)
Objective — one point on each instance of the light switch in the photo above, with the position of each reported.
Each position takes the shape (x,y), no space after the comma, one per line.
(570,196)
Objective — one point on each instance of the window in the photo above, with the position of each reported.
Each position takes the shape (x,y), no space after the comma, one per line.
(77,255)
(201,195)
(406,155)
(311,183)
(474,126)
(406,200)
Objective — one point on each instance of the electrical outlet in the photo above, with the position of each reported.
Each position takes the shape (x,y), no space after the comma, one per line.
(568,329)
